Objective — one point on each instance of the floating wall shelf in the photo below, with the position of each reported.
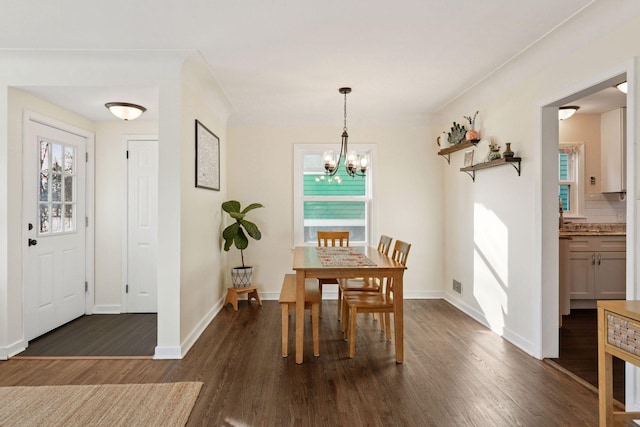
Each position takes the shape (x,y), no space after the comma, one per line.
(446,152)
(471,170)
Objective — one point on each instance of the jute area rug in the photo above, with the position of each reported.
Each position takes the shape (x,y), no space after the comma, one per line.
(99,405)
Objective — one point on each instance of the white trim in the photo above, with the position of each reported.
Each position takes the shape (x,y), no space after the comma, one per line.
(167,352)
(13,349)
(298,151)
(107,309)
(546,268)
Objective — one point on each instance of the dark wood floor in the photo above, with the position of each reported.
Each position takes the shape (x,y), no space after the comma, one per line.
(579,350)
(456,373)
(99,335)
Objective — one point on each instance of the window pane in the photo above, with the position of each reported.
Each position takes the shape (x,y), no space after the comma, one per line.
(56,157)
(563,166)
(69,218)
(316,183)
(44,219)
(565,196)
(68,160)
(56,218)
(44,187)
(56,187)
(68,188)
(335,216)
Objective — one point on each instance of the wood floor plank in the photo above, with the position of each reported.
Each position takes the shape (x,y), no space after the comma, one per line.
(456,373)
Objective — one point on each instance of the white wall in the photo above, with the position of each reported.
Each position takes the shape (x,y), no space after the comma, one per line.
(201,258)
(91,69)
(17,102)
(408,189)
(502,229)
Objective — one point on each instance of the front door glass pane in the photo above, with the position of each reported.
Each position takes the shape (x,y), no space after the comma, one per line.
(57,190)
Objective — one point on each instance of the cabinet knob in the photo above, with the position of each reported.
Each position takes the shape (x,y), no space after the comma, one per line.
(599,259)
(593,259)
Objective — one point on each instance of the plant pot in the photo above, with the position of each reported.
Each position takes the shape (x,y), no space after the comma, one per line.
(241,277)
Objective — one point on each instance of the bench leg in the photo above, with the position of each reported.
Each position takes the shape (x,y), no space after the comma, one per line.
(352,331)
(285,329)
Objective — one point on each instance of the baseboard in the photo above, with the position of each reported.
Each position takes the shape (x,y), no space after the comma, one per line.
(13,349)
(505,333)
(200,327)
(167,352)
(107,309)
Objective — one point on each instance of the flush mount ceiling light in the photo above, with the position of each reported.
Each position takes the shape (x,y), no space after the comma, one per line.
(125,110)
(354,163)
(566,112)
(622,87)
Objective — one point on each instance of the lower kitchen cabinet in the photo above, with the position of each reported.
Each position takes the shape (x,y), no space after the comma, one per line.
(597,267)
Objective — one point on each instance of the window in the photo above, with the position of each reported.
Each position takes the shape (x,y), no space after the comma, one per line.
(571,177)
(56,199)
(340,203)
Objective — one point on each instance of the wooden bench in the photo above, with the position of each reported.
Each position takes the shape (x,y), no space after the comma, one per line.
(232,296)
(288,302)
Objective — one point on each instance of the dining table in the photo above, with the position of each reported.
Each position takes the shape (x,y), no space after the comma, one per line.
(346,262)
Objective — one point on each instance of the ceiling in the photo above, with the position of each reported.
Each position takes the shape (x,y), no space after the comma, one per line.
(284,60)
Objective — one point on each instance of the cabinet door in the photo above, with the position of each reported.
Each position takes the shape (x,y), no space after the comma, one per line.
(610,272)
(581,275)
(613,151)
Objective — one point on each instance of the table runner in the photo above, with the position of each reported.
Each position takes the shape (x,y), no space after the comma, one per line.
(343,256)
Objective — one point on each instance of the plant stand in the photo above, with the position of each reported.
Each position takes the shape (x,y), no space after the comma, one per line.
(232,296)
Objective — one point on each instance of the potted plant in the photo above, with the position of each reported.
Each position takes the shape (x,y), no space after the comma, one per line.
(238,234)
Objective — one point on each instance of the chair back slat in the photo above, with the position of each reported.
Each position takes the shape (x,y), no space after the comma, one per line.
(333,238)
(400,253)
(385,244)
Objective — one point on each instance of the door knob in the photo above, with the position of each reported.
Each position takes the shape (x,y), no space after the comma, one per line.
(33,242)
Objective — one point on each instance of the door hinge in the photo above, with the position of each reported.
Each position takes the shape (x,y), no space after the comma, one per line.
(86,286)
(127,154)
(86,156)
(126,289)
(86,221)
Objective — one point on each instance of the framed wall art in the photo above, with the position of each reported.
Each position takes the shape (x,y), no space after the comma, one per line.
(207,158)
(468,158)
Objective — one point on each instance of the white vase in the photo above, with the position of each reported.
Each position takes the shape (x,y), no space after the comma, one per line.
(241,276)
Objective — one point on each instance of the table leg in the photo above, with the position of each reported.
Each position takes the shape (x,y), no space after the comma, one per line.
(605,375)
(299,315)
(398,318)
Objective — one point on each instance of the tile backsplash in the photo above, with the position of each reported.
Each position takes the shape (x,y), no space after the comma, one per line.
(605,207)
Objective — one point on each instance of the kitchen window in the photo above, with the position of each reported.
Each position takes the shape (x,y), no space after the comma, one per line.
(323,203)
(571,178)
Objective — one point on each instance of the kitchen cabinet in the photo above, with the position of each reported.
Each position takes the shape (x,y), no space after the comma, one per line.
(597,267)
(613,151)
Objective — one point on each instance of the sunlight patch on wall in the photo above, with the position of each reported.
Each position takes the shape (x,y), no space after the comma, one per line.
(490,265)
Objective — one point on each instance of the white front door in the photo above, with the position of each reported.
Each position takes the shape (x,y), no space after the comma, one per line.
(54,227)
(142,224)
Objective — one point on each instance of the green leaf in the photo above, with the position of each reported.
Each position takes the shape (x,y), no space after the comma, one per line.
(251,207)
(228,234)
(231,206)
(252,229)
(240,240)
(236,215)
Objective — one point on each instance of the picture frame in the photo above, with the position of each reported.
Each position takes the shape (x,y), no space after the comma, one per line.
(207,158)
(468,158)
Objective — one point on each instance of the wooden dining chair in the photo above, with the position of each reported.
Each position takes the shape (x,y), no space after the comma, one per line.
(331,239)
(362,284)
(373,302)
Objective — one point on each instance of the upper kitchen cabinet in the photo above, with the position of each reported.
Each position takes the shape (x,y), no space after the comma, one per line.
(613,151)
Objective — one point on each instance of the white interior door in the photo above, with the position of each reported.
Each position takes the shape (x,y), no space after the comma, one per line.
(142,224)
(54,179)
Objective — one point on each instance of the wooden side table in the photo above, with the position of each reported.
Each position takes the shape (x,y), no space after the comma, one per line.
(618,330)
(232,296)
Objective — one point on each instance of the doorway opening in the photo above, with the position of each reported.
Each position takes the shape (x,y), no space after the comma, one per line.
(572,342)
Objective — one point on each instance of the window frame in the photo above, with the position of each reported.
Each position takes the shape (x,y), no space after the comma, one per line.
(576,200)
(299,151)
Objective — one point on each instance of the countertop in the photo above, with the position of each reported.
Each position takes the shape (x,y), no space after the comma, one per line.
(592,229)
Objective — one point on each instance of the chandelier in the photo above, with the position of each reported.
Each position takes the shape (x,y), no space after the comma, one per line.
(354,164)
